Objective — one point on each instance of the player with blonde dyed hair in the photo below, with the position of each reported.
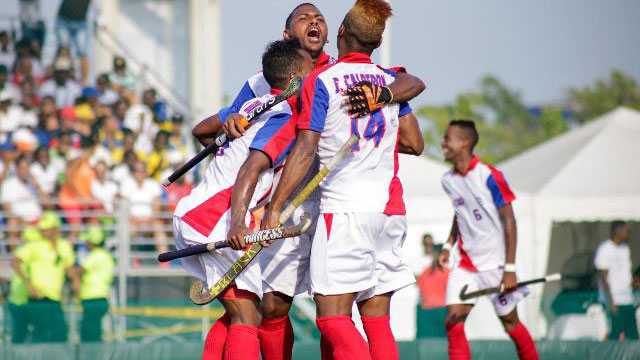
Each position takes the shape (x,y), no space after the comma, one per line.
(356,249)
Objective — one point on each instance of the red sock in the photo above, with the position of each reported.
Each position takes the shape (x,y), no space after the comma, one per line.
(276,338)
(343,337)
(242,343)
(458,344)
(382,344)
(326,351)
(217,335)
(524,344)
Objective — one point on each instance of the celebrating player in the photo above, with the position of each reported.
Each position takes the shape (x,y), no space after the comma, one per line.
(204,214)
(285,264)
(355,253)
(485,229)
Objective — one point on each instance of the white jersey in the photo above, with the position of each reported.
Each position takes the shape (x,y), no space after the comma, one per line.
(257,86)
(364,180)
(476,197)
(209,202)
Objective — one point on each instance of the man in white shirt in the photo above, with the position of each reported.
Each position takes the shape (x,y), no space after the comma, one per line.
(613,261)
(20,196)
(143,194)
(61,86)
(102,188)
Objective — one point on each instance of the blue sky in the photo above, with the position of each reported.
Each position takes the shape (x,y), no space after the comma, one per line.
(540,48)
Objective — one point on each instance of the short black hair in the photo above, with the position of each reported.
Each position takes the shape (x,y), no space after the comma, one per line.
(467,125)
(287,22)
(280,59)
(617,224)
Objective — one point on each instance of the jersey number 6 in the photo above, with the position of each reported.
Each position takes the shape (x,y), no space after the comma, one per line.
(375,129)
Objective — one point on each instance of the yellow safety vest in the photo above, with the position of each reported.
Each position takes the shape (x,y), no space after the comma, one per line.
(47,265)
(97,276)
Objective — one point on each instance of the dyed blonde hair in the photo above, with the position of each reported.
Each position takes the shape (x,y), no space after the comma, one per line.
(366,20)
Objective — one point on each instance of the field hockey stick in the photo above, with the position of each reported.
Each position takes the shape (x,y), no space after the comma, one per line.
(498,289)
(263,235)
(294,86)
(200,296)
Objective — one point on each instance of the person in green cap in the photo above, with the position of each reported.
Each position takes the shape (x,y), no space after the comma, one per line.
(19,292)
(47,261)
(91,281)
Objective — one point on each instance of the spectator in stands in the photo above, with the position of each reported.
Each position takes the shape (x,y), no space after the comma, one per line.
(47,260)
(8,155)
(419,265)
(48,125)
(5,84)
(28,97)
(24,50)
(19,292)
(31,22)
(123,172)
(72,31)
(139,119)
(120,78)
(47,171)
(75,195)
(10,113)
(107,96)
(7,56)
(21,197)
(177,190)
(178,142)
(102,188)
(158,159)
(143,195)
(62,88)
(111,137)
(91,281)
(613,261)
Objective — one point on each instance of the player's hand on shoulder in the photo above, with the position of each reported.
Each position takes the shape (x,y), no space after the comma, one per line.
(365,97)
(235,125)
(509,282)
(235,238)
(443,259)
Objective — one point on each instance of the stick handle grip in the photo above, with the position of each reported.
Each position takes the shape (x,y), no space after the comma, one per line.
(189,251)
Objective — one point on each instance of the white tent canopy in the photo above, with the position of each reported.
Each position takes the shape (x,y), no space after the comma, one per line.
(590,173)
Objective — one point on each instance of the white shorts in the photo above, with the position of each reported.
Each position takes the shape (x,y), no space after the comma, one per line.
(210,267)
(502,303)
(285,264)
(359,253)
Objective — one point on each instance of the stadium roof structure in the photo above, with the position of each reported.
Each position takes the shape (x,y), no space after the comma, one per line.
(598,159)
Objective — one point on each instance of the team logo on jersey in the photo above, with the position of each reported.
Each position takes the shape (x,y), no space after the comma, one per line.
(458,202)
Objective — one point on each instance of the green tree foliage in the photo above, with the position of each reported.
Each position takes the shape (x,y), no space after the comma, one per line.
(603,96)
(505,124)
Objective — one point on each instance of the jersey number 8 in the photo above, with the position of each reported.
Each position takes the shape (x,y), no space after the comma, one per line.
(374,130)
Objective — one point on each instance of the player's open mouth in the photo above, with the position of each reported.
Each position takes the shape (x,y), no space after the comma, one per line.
(313,35)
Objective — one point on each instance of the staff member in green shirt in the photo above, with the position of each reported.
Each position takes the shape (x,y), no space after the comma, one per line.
(91,281)
(19,292)
(47,261)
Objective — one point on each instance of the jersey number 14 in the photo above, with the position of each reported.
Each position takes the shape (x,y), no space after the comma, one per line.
(373,131)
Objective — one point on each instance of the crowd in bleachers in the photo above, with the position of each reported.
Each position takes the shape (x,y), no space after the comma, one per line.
(75,148)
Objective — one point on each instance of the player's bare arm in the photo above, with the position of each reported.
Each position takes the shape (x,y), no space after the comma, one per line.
(443,257)
(206,130)
(406,87)
(256,163)
(366,96)
(410,140)
(298,163)
(508,220)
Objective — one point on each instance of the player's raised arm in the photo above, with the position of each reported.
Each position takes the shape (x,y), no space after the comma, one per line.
(206,130)
(406,87)
(410,137)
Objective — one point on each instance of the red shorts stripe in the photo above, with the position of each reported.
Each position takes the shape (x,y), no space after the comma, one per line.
(328,219)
